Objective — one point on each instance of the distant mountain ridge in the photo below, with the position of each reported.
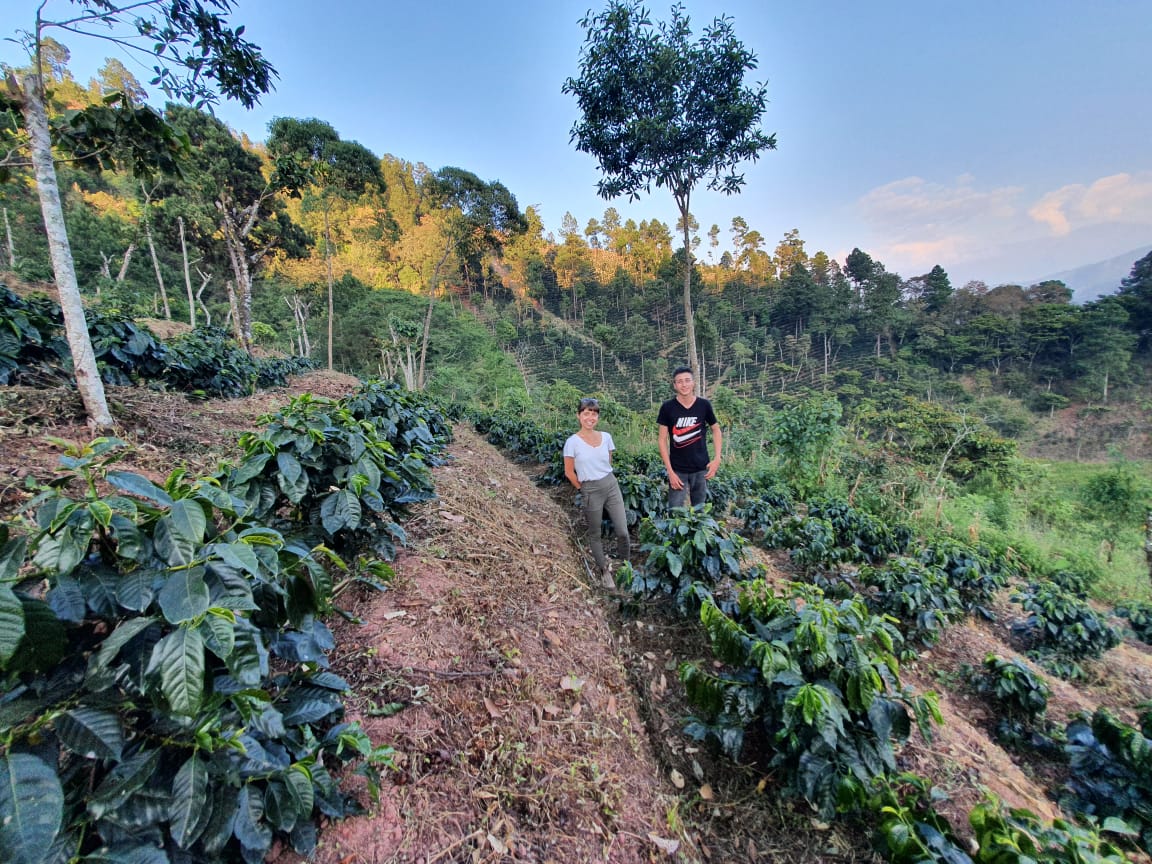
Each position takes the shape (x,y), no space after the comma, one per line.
(1096,280)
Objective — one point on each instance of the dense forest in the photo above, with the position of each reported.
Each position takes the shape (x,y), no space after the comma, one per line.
(267,237)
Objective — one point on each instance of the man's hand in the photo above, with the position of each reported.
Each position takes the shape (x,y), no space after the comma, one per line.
(713,467)
(674,480)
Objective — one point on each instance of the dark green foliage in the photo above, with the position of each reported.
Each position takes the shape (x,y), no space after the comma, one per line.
(686,546)
(319,471)
(818,678)
(409,420)
(136,636)
(763,509)
(125,353)
(1139,617)
(645,497)
(1018,836)
(909,830)
(275,371)
(525,440)
(976,574)
(1019,695)
(863,536)
(206,362)
(1063,625)
(31,335)
(920,596)
(1111,771)
(209,362)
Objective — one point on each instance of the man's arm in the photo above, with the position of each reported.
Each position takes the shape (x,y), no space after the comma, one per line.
(663,440)
(718,446)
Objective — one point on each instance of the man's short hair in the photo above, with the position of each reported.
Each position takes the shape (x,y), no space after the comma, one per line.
(680,370)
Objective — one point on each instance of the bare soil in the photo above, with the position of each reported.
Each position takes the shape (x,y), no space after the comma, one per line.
(537,717)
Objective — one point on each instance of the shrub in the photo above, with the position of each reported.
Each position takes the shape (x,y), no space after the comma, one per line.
(686,546)
(817,678)
(1111,771)
(319,472)
(1139,617)
(141,716)
(918,595)
(1062,624)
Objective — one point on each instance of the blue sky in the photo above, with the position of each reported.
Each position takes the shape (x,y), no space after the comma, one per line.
(1004,140)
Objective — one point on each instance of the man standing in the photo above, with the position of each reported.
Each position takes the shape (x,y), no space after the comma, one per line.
(682,441)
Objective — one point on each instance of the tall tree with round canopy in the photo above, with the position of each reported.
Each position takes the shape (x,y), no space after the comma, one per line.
(658,107)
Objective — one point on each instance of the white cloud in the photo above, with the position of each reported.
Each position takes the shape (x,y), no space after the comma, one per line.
(1116,198)
(916,223)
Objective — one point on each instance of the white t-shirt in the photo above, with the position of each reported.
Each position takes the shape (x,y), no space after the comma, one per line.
(591,463)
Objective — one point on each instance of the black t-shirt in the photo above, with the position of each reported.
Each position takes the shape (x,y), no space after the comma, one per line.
(688,448)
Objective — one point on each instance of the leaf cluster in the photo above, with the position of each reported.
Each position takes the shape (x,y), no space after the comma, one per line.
(318,471)
(165,693)
(1111,771)
(206,362)
(685,546)
(1061,624)
(816,678)
(1139,617)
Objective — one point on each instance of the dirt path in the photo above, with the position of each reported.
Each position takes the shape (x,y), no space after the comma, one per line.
(519,735)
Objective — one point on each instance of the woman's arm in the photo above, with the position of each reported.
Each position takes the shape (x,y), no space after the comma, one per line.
(570,471)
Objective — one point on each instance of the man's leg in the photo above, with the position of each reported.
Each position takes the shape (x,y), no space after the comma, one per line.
(678,497)
(698,487)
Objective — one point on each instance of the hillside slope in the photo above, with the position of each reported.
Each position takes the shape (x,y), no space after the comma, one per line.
(535,717)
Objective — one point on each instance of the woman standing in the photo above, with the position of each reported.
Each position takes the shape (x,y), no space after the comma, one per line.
(588,466)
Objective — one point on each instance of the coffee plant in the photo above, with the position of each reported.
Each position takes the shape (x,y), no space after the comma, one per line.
(686,546)
(142,716)
(975,574)
(816,679)
(1018,836)
(31,336)
(644,497)
(1111,771)
(863,536)
(1139,617)
(908,828)
(318,472)
(410,421)
(1063,625)
(764,512)
(1015,689)
(125,353)
(919,596)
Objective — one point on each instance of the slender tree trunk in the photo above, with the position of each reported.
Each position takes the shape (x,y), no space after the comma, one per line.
(187,274)
(428,316)
(205,279)
(125,262)
(75,325)
(328,264)
(234,312)
(11,247)
(689,319)
(156,267)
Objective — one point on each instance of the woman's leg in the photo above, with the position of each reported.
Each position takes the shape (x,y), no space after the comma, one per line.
(595,491)
(619,516)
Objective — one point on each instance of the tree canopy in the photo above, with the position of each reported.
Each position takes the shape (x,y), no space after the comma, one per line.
(658,107)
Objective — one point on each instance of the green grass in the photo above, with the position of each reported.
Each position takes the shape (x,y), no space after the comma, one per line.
(1046,516)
